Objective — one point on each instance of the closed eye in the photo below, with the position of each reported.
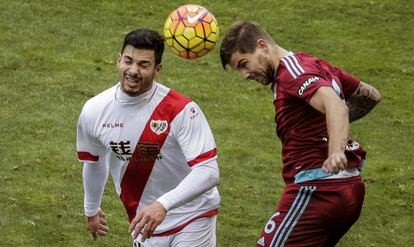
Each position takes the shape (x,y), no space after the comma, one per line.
(241,64)
(144,64)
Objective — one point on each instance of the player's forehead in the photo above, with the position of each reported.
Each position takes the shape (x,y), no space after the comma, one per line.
(236,58)
(135,54)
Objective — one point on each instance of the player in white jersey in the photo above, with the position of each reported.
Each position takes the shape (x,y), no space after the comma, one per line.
(158,148)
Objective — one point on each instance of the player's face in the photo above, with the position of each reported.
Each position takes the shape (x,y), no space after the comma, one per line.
(255,66)
(137,70)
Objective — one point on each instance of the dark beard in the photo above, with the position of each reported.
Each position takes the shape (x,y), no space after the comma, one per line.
(270,75)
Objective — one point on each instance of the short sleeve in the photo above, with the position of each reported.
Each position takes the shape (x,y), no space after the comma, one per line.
(305,86)
(194,135)
(349,82)
(88,147)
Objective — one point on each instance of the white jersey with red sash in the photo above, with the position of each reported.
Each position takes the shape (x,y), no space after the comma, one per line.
(150,143)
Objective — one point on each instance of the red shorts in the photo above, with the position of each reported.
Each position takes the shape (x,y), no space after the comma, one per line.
(316,213)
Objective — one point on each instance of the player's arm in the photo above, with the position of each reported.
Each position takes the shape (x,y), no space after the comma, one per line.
(95,174)
(202,178)
(197,143)
(94,179)
(326,101)
(362,101)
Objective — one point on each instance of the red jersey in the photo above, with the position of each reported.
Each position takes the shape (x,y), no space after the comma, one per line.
(301,128)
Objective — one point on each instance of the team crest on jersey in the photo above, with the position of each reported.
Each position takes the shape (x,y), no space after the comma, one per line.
(352,146)
(159,126)
(194,112)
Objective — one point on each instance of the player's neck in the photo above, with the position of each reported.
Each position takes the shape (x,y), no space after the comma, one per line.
(126,99)
(278,54)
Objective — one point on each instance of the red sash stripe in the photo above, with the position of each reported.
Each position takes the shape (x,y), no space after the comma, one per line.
(210,213)
(140,167)
(202,157)
(87,156)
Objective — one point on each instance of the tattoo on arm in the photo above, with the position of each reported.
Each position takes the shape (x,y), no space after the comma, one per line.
(362,101)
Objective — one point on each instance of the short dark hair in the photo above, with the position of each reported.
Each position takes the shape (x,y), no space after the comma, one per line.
(145,39)
(241,37)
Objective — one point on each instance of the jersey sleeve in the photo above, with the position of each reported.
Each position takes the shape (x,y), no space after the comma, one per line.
(202,178)
(87,145)
(194,136)
(349,82)
(304,86)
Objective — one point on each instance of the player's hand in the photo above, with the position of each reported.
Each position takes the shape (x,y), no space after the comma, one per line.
(335,163)
(147,220)
(97,225)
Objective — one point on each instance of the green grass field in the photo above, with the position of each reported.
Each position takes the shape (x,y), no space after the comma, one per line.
(54,55)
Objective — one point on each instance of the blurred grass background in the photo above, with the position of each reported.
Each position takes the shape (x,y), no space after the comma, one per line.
(54,55)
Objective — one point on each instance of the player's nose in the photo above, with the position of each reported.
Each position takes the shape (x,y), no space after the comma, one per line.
(245,74)
(134,69)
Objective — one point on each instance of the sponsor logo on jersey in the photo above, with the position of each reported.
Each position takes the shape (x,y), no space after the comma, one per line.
(121,149)
(149,151)
(261,241)
(159,126)
(113,125)
(306,84)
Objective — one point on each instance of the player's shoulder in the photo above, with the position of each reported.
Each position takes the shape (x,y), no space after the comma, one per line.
(297,64)
(99,102)
(295,67)
(174,97)
(174,103)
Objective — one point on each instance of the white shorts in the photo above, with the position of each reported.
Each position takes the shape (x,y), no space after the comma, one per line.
(199,233)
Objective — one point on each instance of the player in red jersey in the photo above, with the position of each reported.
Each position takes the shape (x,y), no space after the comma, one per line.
(314,103)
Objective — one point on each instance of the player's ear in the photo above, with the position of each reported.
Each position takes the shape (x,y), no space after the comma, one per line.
(261,43)
(119,59)
(158,68)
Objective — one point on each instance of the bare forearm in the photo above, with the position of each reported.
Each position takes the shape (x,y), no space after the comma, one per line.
(362,101)
(326,101)
(338,126)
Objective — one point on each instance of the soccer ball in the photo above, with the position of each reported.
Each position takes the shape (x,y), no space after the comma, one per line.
(191,31)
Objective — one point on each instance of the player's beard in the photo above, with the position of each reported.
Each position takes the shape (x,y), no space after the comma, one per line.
(269,76)
(134,86)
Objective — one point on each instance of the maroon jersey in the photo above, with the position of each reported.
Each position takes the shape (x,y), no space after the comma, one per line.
(301,128)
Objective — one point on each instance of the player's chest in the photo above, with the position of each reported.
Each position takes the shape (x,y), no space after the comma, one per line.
(126,131)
